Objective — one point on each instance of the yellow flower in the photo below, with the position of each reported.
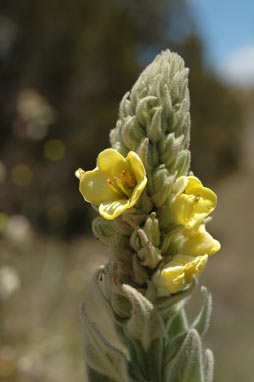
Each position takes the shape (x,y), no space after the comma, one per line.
(115,184)
(191,202)
(194,241)
(176,274)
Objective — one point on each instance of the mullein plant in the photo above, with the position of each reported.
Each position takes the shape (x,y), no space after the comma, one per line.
(153,215)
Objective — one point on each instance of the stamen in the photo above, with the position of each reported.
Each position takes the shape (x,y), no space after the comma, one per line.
(197,198)
(112,186)
(130,179)
(124,184)
(122,188)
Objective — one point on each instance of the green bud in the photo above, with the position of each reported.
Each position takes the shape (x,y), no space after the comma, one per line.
(143,110)
(167,103)
(125,109)
(161,196)
(162,184)
(116,139)
(143,152)
(131,133)
(149,255)
(171,149)
(164,216)
(135,241)
(154,128)
(182,162)
(151,228)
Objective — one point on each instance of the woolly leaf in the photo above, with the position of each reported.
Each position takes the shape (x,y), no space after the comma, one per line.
(145,323)
(101,355)
(202,321)
(209,366)
(187,365)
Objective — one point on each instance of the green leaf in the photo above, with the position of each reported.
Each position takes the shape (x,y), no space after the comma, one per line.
(101,288)
(100,355)
(209,366)
(164,304)
(145,323)
(201,323)
(187,365)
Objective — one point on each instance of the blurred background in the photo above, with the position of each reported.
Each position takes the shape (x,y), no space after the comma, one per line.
(64,67)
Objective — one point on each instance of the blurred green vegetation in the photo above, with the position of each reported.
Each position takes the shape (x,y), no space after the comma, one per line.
(64,67)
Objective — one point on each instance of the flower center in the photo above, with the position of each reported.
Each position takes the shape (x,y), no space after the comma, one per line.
(197,197)
(125,183)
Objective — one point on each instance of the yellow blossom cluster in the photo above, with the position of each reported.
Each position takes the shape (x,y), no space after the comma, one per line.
(190,205)
(117,183)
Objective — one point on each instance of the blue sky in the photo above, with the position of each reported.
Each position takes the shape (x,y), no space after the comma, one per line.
(227,28)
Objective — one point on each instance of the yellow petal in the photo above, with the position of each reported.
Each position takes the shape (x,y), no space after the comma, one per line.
(182,208)
(180,271)
(207,202)
(207,198)
(198,242)
(193,184)
(139,172)
(191,204)
(111,162)
(110,210)
(180,185)
(136,166)
(94,187)
(172,271)
(195,267)
(137,192)
(176,284)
